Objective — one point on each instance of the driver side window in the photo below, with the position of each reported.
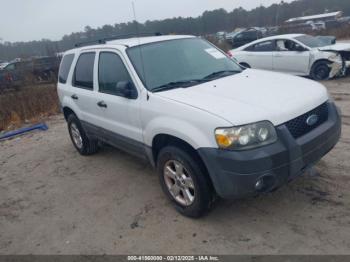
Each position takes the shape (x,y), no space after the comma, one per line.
(288,45)
(111,72)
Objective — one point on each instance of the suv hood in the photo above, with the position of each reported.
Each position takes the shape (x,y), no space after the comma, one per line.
(252,96)
(336,47)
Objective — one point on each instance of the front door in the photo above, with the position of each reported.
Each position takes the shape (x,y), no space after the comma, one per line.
(290,57)
(119,114)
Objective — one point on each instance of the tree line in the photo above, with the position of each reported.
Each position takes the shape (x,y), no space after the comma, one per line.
(208,23)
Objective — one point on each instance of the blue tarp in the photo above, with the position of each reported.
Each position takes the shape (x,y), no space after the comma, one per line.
(21,131)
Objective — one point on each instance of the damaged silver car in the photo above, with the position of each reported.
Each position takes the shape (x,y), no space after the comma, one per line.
(296,54)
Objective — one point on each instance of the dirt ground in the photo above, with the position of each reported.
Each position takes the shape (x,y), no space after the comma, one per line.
(54,201)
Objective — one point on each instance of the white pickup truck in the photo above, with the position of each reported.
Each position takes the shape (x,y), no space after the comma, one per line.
(209,126)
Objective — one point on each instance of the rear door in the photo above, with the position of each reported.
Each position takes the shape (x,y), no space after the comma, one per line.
(290,57)
(83,91)
(260,55)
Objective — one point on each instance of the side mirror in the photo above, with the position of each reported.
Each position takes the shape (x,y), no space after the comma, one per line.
(126,89)
(299,48)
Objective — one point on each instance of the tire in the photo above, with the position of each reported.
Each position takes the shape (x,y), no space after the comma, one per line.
(85,146)
(199,187)
(320,71)
(245,65)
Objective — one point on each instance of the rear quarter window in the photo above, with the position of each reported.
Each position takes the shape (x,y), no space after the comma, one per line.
(84,71)
(65,68)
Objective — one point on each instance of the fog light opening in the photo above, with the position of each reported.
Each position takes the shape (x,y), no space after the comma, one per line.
(265,184)
(259,185)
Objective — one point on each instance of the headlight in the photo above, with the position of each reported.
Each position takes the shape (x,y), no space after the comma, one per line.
(247,136)
(335,57)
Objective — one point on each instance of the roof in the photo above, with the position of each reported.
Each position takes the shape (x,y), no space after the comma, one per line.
(287,36)
(135,41)
(130,42)
(312,17)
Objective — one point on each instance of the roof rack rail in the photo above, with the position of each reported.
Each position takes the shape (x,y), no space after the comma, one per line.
(100,41)
(124,36)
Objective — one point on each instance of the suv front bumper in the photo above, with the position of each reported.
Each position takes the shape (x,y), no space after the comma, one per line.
(235,174)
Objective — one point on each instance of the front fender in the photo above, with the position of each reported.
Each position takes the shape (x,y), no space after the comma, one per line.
(178,128)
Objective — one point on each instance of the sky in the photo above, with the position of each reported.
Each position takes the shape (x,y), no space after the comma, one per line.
(26,20)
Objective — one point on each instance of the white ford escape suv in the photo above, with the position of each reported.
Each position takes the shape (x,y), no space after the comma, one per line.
(209,126)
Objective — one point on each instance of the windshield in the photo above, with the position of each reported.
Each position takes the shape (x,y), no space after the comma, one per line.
(311,41)
(176,62)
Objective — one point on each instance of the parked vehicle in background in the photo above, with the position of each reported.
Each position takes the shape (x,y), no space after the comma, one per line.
(36,70)
(245,36)
(317,26)
(314,22)
(221,35)
(208,130)
(230,36)
(296,54)
(327,40)
(345,19)
(3,65)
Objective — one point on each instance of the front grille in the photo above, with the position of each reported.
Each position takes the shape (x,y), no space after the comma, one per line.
(346,56)
(298,126)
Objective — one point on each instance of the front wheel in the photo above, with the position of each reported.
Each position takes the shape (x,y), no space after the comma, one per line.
(184,181)
(320,71)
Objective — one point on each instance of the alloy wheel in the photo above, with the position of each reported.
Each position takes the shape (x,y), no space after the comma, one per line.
(179,182)
(76,136)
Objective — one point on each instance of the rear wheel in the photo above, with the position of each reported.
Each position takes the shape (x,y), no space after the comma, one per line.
(184,181)
(320,71)
(81,142)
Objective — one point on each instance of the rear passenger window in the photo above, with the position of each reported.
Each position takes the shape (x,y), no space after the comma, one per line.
(267,46)
(65,67)
(111,71)
(84,71)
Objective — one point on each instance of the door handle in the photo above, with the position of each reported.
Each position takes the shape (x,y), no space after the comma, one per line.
(75,97)
(102,104)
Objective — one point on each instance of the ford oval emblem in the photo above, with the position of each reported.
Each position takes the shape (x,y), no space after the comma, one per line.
(312,120)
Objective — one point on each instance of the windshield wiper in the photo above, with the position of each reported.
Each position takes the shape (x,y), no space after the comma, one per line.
(221,73)
(188,83)
(177,84)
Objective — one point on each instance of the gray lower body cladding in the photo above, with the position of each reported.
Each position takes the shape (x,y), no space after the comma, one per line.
(236,174)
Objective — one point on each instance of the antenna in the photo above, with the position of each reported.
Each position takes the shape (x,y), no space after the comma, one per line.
(139,42)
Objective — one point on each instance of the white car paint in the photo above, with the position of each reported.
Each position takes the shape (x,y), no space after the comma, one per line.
(252,96)
(191,114)
(3,65)
(293,62)
(336,47)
